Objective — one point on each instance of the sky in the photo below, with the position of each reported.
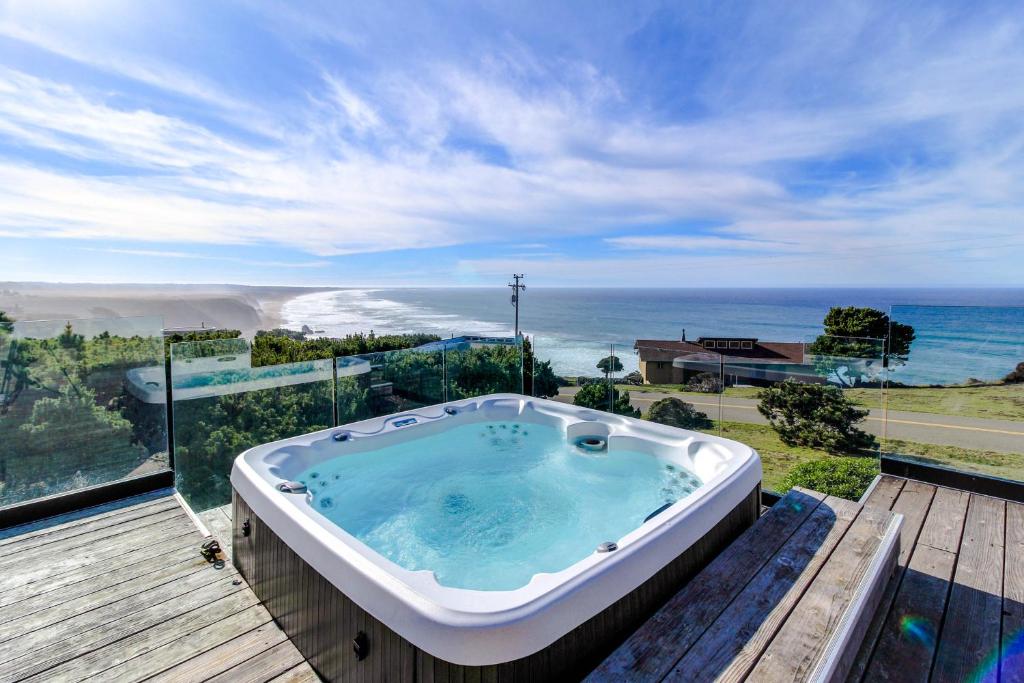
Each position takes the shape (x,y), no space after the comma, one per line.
(712,144)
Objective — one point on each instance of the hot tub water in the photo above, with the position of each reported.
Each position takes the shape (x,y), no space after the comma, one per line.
(487,505)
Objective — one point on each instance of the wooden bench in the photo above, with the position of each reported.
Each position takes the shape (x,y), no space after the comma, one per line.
(789,600)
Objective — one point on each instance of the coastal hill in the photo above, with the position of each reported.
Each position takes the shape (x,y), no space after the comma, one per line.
(238,307)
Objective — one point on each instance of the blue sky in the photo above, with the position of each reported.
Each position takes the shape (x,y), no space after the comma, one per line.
(690,144)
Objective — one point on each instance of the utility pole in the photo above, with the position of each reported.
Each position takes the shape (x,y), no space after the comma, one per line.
(516,287)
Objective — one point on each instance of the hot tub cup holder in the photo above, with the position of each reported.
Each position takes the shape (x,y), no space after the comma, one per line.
(592,444)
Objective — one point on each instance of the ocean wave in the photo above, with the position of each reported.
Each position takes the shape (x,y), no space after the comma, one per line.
(350,311)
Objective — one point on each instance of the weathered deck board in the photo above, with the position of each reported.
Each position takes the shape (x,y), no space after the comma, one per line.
(41,548)
(913,502)
(798,647)
(803,605)
(655,648)
(974,614)
(906,648)
(90,514)
(885,493)
(913,620)
(132,578)
(303,673)
(731,647)
(945,522)
(189,646)
(266,665)
(216,659)
(117,550)
(137,591)
(76,582)
(124,595)
(47,648)
(930,609)
(50,533)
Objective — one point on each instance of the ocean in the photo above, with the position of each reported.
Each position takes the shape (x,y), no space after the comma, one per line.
(961,333)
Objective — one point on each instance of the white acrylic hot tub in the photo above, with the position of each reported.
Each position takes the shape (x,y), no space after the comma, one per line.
(485,627)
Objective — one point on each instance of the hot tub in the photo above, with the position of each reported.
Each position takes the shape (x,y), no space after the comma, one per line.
(501,533)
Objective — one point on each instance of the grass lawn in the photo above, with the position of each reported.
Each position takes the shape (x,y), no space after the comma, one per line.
(777,459)
(1005,465)
(997,402)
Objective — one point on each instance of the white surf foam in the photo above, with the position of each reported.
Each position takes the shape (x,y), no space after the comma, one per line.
(349,311)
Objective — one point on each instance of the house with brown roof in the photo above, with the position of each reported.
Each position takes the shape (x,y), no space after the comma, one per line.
(740,359)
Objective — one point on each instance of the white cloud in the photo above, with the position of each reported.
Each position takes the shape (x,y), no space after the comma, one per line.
(32,23)
(359,115)
(165,254)
(469,148)
(693,242)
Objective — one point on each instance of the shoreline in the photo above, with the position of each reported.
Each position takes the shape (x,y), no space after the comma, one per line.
(245,308)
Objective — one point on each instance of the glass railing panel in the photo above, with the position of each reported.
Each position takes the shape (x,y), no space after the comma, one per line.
(74,406)
(813,414)
(213,355)
(576,368)
(355,396)
(475,366)
(658,387)
(697,379)
(955,396)
(374,384)
(539,378)
(222,406)
(622,365)
(575,361)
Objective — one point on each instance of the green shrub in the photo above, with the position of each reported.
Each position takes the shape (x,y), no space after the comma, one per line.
(595,395)
(704,383)
(845,477)
(545,382)
(272,348)
(676,413)
(815,415)
(634,378)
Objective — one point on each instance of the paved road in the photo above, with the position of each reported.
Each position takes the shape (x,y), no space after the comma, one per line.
(1002,436)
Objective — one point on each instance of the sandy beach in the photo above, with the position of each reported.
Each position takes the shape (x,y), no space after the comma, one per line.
(244,308)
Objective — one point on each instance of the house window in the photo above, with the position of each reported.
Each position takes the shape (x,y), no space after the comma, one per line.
(734,345)
(709,344)
(747,345)
(661,365)
(723,344)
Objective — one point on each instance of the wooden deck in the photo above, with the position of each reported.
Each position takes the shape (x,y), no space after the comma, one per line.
(121,593)
(789,600)
(954,607)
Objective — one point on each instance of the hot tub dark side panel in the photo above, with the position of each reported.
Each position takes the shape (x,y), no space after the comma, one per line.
(318,618)
(323,623)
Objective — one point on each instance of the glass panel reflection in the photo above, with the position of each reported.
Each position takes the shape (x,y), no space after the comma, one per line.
(223,406)
(71,413)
